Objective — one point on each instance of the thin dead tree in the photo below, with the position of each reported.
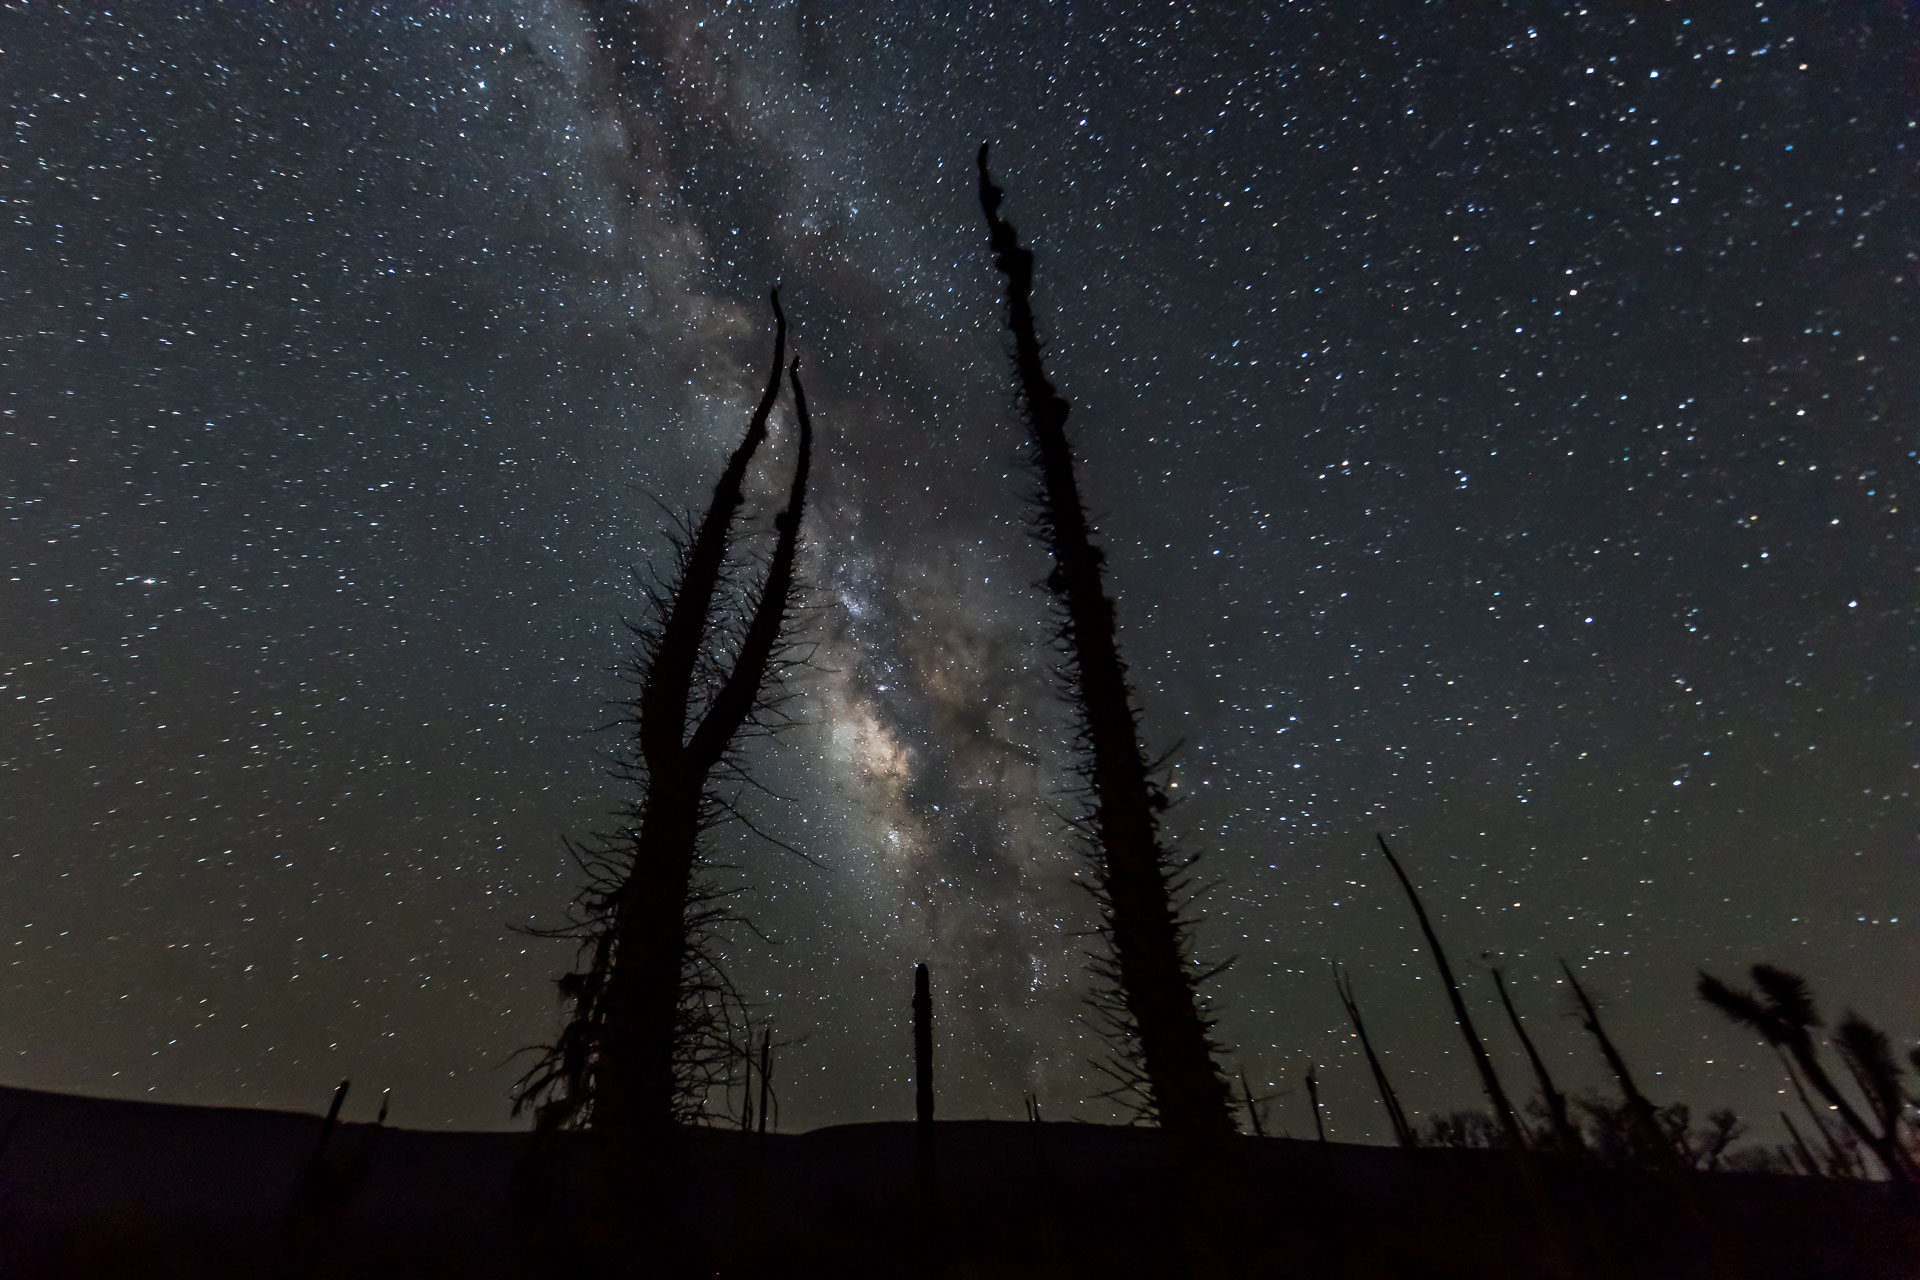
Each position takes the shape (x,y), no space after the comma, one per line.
(767,1100)
(1165,1056)
(746,1082)
(653,1026)
(1489,1078)
(923,1049)
(1649,1136)
(1254,1120)
(1402,1131)
(1559,1118)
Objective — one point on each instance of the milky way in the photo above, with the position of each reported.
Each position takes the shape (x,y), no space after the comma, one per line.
(1501,429)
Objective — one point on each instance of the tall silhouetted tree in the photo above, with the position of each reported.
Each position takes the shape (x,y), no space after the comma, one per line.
(1489,1078)
(1166,1055)
(650,1030)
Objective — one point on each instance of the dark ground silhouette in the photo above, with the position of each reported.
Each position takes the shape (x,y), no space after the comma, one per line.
(103,1188)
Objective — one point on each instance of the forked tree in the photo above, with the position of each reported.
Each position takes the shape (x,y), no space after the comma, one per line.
(651,1029)
(1166,1057)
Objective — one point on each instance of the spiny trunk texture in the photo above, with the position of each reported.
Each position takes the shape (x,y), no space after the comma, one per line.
(1187,1091)
(1489,1078)
(635,1082)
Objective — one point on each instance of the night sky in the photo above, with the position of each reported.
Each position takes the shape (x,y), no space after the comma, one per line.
(1502,428)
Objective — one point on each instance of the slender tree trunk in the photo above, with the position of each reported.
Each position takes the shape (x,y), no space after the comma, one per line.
(1807,1161)
(766,1076)
(1186,1089)
(1564,1133)
(1645,1122)
(1839,1159)
(1489,1078)
(922,1047)
(1253,1111)
(1402,1131)
(1885,1144)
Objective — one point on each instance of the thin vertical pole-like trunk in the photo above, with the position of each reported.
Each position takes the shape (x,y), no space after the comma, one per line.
(922,1047)
(1565,1135)
(1402,1131)
(1187,1092)
(746,1085)
(766,1076)
(1489,1078)
(1645,1123)
(1253,1111)
(1313,1096)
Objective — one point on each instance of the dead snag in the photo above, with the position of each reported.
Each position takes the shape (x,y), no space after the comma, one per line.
(652,1024)
(1402,1131)
(1565,1135)
(1489,1078)
(922,1047)
(1649,1136)
(1166,1057)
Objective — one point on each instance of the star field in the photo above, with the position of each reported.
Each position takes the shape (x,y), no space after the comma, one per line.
(1501,427)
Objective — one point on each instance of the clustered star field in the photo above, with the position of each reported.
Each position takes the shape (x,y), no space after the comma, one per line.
(1501,427)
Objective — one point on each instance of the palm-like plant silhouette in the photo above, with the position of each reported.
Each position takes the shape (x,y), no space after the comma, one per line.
(1782,1011)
